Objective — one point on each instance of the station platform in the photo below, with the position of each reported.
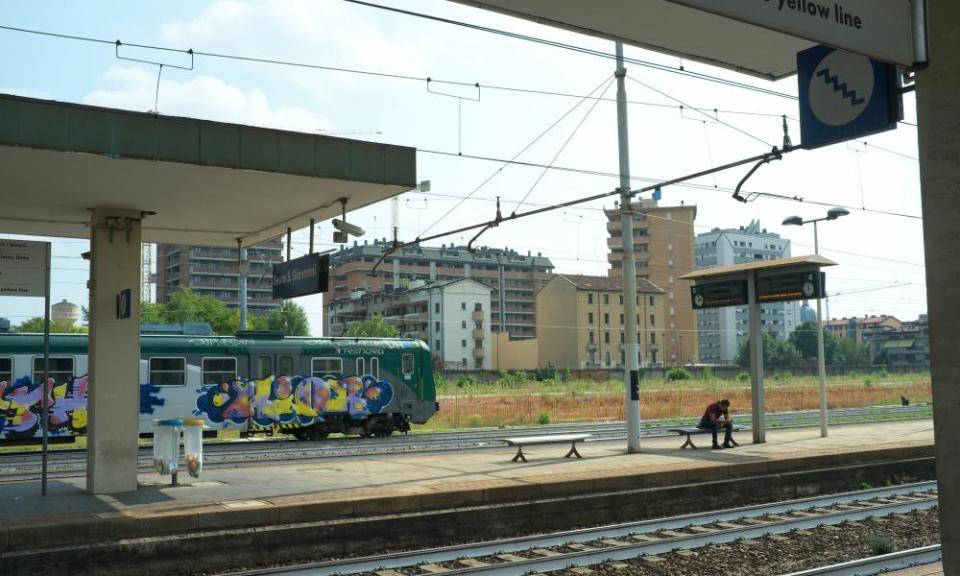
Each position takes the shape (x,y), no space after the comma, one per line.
(428,496)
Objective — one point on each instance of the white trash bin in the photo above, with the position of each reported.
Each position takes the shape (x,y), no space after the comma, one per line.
(166,445)
(193,445)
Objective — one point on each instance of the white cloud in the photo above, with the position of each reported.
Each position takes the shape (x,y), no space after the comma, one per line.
(207,97)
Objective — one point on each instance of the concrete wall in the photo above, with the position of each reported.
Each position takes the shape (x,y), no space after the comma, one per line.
(558,339)
(938,112)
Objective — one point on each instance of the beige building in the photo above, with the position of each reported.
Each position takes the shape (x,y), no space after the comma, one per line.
(583,323)
(663,247)
(507,354)
(857,328)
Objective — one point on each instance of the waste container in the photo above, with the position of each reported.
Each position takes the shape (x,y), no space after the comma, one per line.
(193,445)
(166,445)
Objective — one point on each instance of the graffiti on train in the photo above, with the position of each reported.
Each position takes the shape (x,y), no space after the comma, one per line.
(292,400)
(21,407)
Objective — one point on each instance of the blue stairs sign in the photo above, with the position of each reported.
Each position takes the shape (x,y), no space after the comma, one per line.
(844,95)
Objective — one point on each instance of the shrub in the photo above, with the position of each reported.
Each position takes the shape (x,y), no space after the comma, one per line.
(476,421)
(881,544)
(707,373)
(883,373)
(781,375)
(678,374)
(543,419)
(868,382)
(743,376)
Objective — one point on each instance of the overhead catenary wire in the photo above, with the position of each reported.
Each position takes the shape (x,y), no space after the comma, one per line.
(580,49)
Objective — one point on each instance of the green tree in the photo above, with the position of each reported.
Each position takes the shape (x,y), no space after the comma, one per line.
(804,338)
(850,354)
(776,353)
(188,306)
(372,327)
(35,326)
(151,313)
(290,318)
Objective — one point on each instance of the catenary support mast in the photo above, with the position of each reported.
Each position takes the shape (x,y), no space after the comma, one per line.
(632,355)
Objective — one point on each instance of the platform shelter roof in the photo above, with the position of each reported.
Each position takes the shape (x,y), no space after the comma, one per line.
(779,263)
(195,181)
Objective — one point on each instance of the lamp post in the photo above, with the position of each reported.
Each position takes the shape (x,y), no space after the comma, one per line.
(832,214)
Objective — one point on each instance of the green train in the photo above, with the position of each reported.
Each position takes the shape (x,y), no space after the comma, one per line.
(253,382)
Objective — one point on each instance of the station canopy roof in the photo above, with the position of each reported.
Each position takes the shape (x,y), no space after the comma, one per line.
(756,37)
(779,263)
(200,182)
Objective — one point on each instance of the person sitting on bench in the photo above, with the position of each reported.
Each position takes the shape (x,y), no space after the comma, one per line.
(711,420)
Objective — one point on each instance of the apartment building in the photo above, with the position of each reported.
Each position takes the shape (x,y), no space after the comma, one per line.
(664,251)
(860,329)
(721,330)
(512,277)
(586,328)
(452,317)
(212,272)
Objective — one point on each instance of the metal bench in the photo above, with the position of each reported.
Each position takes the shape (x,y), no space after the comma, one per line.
(522,441)
(692,430)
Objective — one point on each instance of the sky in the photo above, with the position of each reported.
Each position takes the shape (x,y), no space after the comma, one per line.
(879,246)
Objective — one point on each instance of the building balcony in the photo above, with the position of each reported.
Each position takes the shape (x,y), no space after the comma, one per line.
(479,353)
(416,317)
(477,316)
(591,347)
(478,334)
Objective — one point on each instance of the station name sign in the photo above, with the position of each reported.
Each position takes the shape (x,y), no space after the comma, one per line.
(23,268)
(880,29)
(301,276)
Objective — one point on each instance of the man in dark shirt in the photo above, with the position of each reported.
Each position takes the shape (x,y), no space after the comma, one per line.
(715,417)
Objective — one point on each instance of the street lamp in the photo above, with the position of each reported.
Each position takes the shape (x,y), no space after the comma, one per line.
(832,214)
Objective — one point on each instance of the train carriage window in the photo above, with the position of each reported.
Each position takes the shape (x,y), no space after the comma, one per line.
(406,365)
(217,370)
(375,368)
(264,367)
(326,366)
(168,371)
(285,365)
(361,366)
(61,369)
(6,370)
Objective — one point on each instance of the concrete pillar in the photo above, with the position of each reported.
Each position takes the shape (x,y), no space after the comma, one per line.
(114,356)
(939,133)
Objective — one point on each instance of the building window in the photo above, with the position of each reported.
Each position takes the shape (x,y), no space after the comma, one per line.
(436,325)
(165,371)
(436,308)
(463,343)
(653,321)
(606,319)
(589,317)
(653,337)
(320,367)
(606,299)
(591,336)
(478,343)
(463,362)
(437,347)
(589,298)
(672,311)
(477,307)
(463,324)
(463,305)
(606,337)
(217,370)
(264,367)
(621,299)
(651,300)
(621,319)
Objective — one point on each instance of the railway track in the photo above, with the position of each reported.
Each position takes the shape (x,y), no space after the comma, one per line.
(916,557)
(70,463)
(619,542)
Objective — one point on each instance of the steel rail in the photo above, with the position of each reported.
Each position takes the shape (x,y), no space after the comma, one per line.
(917,496)
(879,564)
